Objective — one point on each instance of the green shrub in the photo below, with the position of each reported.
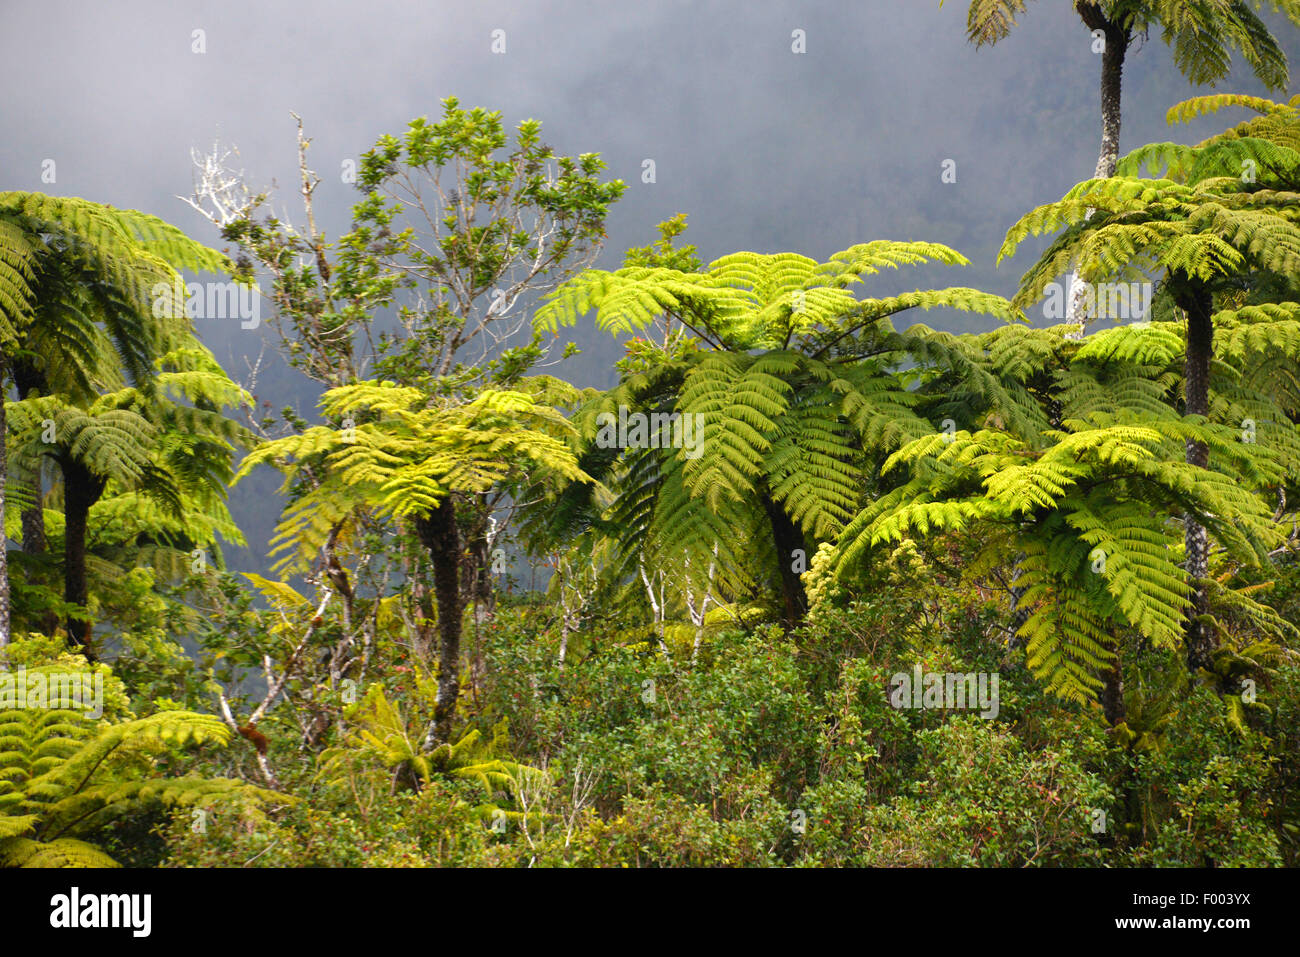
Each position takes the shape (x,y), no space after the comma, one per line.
(982,800)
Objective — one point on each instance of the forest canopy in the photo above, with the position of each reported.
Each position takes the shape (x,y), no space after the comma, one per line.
(812,582)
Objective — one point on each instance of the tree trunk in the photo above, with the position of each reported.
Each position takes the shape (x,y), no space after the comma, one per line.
(788,540)
(485,595)
(477,573)
(81,489)
(438,534)
(1197,302)
(35,543)
(1019,613)
(1112,79)
(1112,82)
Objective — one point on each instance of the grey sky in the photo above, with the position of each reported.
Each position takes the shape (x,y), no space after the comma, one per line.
(765,149)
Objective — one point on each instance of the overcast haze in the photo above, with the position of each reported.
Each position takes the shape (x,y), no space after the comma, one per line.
(763,148)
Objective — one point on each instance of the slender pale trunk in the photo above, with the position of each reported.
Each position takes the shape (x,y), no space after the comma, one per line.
(1019,613)
(438,533)
(481,592)
(480,584)
(1112,81)
(1197,302)
(657,606)
(1116,39)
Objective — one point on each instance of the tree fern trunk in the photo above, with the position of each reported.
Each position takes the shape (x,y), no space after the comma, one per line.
(81,490)
(1197,302)
(437,532)
(1112,85)
(1112,82)
(788,540)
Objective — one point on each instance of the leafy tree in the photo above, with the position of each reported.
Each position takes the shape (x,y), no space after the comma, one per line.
(459,227)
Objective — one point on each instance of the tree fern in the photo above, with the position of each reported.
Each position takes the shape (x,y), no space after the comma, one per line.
(78,285)
(408,457)
(1205,234)
(382,734)
(795,385)
(400,456)
(64,777)
(1090,506)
